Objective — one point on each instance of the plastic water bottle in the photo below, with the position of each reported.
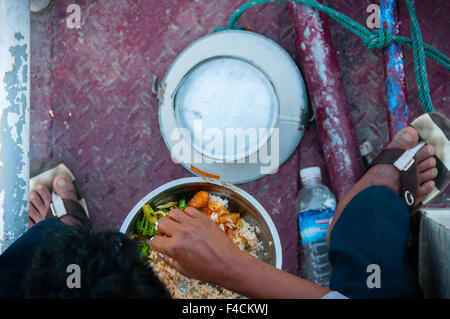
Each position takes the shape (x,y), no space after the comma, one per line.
(315,206)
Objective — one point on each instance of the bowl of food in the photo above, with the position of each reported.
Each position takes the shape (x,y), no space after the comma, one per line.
(237,213)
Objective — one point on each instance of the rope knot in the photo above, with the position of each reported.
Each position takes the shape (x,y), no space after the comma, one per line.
(378,39)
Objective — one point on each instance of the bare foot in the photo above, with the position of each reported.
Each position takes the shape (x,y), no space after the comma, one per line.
(41,197)
(387,175)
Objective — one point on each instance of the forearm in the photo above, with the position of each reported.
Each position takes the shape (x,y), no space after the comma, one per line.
(201,250)
(254,278)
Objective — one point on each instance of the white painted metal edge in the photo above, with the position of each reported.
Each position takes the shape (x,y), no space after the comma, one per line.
(14,119)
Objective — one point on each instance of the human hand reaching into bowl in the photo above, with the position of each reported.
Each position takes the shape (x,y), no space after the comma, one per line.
(193,244)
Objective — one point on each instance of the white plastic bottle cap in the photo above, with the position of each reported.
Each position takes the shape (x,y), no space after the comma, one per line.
(310,173)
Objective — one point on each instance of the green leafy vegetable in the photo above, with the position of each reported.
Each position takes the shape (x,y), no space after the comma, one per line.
(144,250)
(182,205)
(149,213)
(145,224)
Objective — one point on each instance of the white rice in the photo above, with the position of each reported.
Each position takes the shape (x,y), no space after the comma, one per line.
(214,217)
(250,234)
(220,200)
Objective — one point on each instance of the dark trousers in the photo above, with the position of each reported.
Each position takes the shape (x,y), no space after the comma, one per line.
(374,229)
(17,258)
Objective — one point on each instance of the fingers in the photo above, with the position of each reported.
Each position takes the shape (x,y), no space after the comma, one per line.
(193,212)
(178,216)
(426,151)
(170,261)
(161,244)
(167,226)
(427,175)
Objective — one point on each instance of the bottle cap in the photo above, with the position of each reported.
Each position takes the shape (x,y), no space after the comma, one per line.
(310,173)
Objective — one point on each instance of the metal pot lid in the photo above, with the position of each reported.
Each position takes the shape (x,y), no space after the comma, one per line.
(226,92)
(232,82)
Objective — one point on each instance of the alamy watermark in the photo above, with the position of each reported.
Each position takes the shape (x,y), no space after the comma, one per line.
(73,21)
(74,279)
(373,20)
(374,279)
(232,145)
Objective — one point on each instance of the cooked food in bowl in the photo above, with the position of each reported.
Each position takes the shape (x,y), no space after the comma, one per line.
(241,233)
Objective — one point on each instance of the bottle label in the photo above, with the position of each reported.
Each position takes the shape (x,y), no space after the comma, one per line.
(313,224)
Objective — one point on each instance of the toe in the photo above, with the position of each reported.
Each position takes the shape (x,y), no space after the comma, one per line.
(44,192)
(426,164)
(64,187)
(37,201)
(425,189)
(45,195)
(405,139)
(425,152)
(428,175)
(35,217)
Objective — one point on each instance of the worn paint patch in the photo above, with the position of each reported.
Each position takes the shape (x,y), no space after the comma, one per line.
(320,52)
(395,76)
(14,139)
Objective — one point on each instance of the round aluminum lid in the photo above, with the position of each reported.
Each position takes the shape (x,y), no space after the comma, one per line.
(232,80)
(224,93)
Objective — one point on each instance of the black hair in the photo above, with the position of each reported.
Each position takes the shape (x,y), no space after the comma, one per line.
(109,262)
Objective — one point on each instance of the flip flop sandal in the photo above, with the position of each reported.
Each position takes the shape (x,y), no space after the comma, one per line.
(433,129)
(45,173)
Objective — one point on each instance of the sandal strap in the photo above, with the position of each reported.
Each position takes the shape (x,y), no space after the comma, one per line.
(408,186)
(61,207)
(408,178)
(387,156)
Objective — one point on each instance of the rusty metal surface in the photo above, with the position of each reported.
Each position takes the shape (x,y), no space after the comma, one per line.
(41,48)
(326,90)
(97,80)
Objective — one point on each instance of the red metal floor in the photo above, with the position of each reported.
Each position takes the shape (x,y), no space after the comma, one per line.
(97,81)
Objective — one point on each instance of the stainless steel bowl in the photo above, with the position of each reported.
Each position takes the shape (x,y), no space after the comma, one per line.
(238,200)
